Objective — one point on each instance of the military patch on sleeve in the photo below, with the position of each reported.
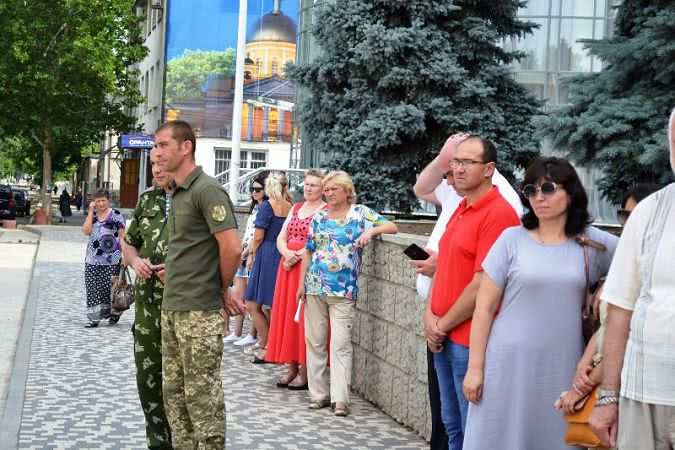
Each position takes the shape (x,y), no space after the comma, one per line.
(218,212)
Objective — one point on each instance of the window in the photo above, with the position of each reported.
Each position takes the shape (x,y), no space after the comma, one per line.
(223,157)
(258,159)
(573,57)
(249,160)
(275,67)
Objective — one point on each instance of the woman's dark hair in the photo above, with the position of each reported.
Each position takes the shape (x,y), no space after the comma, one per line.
(261,181)
(561,172)
(639,192)
(102,193)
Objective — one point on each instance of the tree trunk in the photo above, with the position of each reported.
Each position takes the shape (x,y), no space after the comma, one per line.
(47,174)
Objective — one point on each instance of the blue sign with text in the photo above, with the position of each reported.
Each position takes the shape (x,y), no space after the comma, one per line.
(136,141)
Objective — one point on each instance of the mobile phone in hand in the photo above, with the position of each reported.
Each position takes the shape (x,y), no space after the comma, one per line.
(415,252)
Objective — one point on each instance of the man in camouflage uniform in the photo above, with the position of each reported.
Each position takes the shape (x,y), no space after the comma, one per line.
(148,241)
(204,253)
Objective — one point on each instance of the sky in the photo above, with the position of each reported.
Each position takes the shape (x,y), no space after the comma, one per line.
(212,24)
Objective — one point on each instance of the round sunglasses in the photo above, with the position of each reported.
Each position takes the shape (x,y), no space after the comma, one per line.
(547,189)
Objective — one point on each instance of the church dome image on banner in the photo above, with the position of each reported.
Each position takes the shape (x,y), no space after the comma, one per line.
(270,44)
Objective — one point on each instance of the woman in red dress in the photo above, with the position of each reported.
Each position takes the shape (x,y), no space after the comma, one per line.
(286,342)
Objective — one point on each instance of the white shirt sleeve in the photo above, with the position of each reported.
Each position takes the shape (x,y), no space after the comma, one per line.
(507,192)
(624,280)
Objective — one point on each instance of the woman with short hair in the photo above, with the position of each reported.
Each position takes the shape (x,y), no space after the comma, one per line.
(330,270)
(520,360)
(105,228)
(286,343)
(264,258)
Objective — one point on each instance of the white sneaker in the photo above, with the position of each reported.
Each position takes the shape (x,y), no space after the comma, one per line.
(248,340)
(231,338)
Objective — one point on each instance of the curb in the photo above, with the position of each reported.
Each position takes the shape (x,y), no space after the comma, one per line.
(10,424)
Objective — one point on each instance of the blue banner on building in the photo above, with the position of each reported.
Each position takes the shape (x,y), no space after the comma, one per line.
(136,141)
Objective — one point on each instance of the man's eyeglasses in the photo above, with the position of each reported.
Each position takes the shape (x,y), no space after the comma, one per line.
(256,190)
(622,216)
(455,163)
(547,189)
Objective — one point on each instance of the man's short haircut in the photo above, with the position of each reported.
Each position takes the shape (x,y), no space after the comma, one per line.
(101,193)
(181,131)
(639,192)
(489,149)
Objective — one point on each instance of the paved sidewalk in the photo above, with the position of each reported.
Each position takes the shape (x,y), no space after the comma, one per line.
(80,390)
(17,250)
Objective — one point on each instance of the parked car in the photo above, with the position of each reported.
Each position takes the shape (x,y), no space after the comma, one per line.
(22,199)
(7,203)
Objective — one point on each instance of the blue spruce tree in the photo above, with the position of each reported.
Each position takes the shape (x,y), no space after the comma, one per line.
(396,77)
(617,118)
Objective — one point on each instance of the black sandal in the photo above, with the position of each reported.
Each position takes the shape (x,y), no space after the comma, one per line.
(91,324)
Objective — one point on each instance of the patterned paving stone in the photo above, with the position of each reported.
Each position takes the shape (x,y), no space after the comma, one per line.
(81,391)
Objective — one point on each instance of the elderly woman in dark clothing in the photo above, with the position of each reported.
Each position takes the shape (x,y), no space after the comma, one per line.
(105,228)
(64,205)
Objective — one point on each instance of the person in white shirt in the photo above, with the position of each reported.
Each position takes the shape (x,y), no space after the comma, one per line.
(636,400)
(432,187)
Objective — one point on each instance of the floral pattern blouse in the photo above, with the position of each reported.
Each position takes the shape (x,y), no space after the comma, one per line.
(336,260)
(103,248)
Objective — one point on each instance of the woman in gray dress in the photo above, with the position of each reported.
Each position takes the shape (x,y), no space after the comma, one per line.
(520,360)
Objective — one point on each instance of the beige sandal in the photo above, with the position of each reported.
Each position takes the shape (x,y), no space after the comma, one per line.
(341,410)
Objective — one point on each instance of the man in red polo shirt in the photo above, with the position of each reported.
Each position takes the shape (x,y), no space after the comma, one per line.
(476,224)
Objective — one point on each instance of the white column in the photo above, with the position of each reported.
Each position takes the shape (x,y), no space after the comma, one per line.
(235,163)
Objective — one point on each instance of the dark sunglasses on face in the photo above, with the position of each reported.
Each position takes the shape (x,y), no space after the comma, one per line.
(256,189)
(547,189)
(622,216)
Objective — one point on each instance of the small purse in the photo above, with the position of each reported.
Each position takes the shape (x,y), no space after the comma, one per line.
(590,321)
(122,292)
(579,432)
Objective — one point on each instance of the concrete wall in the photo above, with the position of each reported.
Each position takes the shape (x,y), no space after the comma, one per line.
(390,366)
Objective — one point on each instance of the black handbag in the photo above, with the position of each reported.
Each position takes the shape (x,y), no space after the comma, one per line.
(122,291)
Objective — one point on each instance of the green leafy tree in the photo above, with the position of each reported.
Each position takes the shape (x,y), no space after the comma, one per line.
(186,75)
(66,74)
(395,78)
(616,120)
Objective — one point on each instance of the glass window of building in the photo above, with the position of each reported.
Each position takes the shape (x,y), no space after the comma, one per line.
(223,156)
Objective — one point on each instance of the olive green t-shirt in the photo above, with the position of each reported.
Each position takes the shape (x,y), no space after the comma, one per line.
(200,208)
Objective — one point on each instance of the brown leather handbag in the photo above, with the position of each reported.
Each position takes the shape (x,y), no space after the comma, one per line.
(579,432)
(590,317)
(122,291)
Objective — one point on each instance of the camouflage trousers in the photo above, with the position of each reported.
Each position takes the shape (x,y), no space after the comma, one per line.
(192,352)
(148,357)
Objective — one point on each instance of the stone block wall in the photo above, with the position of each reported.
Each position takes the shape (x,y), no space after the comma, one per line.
(390,366)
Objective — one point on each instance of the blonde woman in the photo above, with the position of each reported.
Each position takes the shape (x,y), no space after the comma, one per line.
(264,257)
(330,268)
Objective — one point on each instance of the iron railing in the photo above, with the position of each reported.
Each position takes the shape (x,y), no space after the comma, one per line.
(295,179)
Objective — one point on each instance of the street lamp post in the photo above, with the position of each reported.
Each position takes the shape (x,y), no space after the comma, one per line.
(235,162)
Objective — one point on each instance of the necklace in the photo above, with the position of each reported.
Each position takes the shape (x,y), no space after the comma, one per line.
(539,234)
